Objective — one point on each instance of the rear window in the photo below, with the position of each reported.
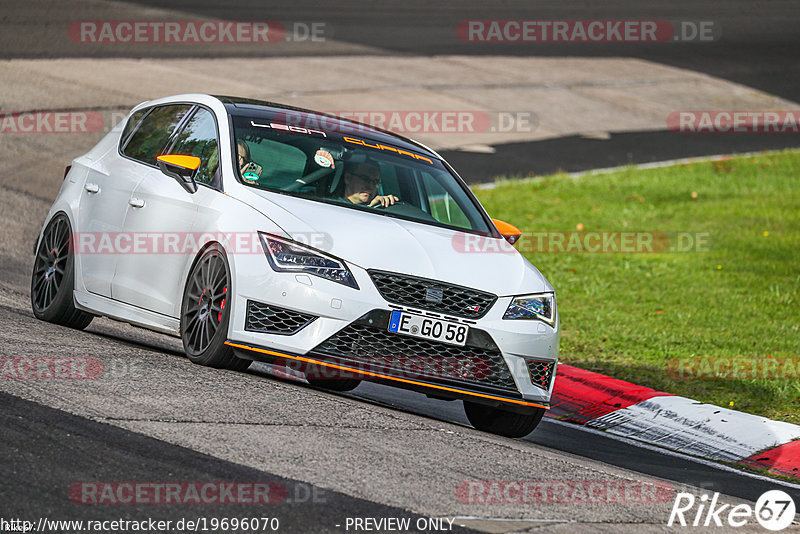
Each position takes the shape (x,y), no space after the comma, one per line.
(150,138)
(133,121)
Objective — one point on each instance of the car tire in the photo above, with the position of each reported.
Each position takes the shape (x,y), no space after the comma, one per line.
(205,313)
(502,422)
(53,277)
(315,373)
(347,384)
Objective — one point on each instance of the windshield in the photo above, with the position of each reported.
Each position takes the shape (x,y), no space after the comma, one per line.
(352,172)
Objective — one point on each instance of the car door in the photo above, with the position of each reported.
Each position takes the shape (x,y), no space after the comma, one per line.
(163,212)
(103,204)
(109,186)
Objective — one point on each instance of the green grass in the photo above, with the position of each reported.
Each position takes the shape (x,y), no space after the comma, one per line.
(628,315)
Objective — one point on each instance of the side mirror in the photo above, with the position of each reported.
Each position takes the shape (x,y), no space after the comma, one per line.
(509,231)
(181,168)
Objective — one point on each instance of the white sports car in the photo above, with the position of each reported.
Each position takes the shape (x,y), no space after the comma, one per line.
(256,231)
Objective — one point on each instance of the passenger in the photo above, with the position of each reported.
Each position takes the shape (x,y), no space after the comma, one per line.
(251,171)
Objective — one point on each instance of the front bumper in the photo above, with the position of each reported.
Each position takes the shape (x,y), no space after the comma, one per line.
(433,388)
(505,362)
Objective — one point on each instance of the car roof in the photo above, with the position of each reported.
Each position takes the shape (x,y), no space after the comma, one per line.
(323,121)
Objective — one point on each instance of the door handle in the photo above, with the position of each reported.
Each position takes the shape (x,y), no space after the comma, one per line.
(92,188)
(136,202)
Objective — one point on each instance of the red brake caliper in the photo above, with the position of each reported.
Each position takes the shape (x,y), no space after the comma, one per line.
(200,302)
(222,306)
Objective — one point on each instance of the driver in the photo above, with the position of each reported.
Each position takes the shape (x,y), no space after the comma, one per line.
(361,183)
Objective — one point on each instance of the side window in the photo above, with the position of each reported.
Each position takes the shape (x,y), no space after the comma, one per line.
(149,139)
(199,138)
(443,206)
(132,122)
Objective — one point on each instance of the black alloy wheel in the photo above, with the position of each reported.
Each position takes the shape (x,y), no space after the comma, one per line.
(53,278)
(205,313)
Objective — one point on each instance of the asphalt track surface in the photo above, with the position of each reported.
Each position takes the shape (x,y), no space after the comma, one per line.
(154,417)
(755,44)
(576,153)
(111,453)
(376,452)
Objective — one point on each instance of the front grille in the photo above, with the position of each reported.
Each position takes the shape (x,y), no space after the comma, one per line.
(269,319)
(432,295)
(413,358)
(541,372)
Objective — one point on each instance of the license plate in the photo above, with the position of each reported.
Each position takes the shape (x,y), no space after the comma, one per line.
(428,328)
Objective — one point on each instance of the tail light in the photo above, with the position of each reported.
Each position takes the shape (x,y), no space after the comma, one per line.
(66,171)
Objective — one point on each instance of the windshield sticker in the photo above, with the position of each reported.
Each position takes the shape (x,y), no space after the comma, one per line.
(287,128)
(324,158)
(361,142)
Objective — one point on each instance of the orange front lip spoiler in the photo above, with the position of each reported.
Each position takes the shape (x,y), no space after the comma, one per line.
(386,377)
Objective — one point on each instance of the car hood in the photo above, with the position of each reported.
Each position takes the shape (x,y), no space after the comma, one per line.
(374,241)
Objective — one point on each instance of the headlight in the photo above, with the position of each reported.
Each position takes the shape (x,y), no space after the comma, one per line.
(287,256)
(541,307)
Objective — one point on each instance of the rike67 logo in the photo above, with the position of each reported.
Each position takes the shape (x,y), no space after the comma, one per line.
(774,510)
